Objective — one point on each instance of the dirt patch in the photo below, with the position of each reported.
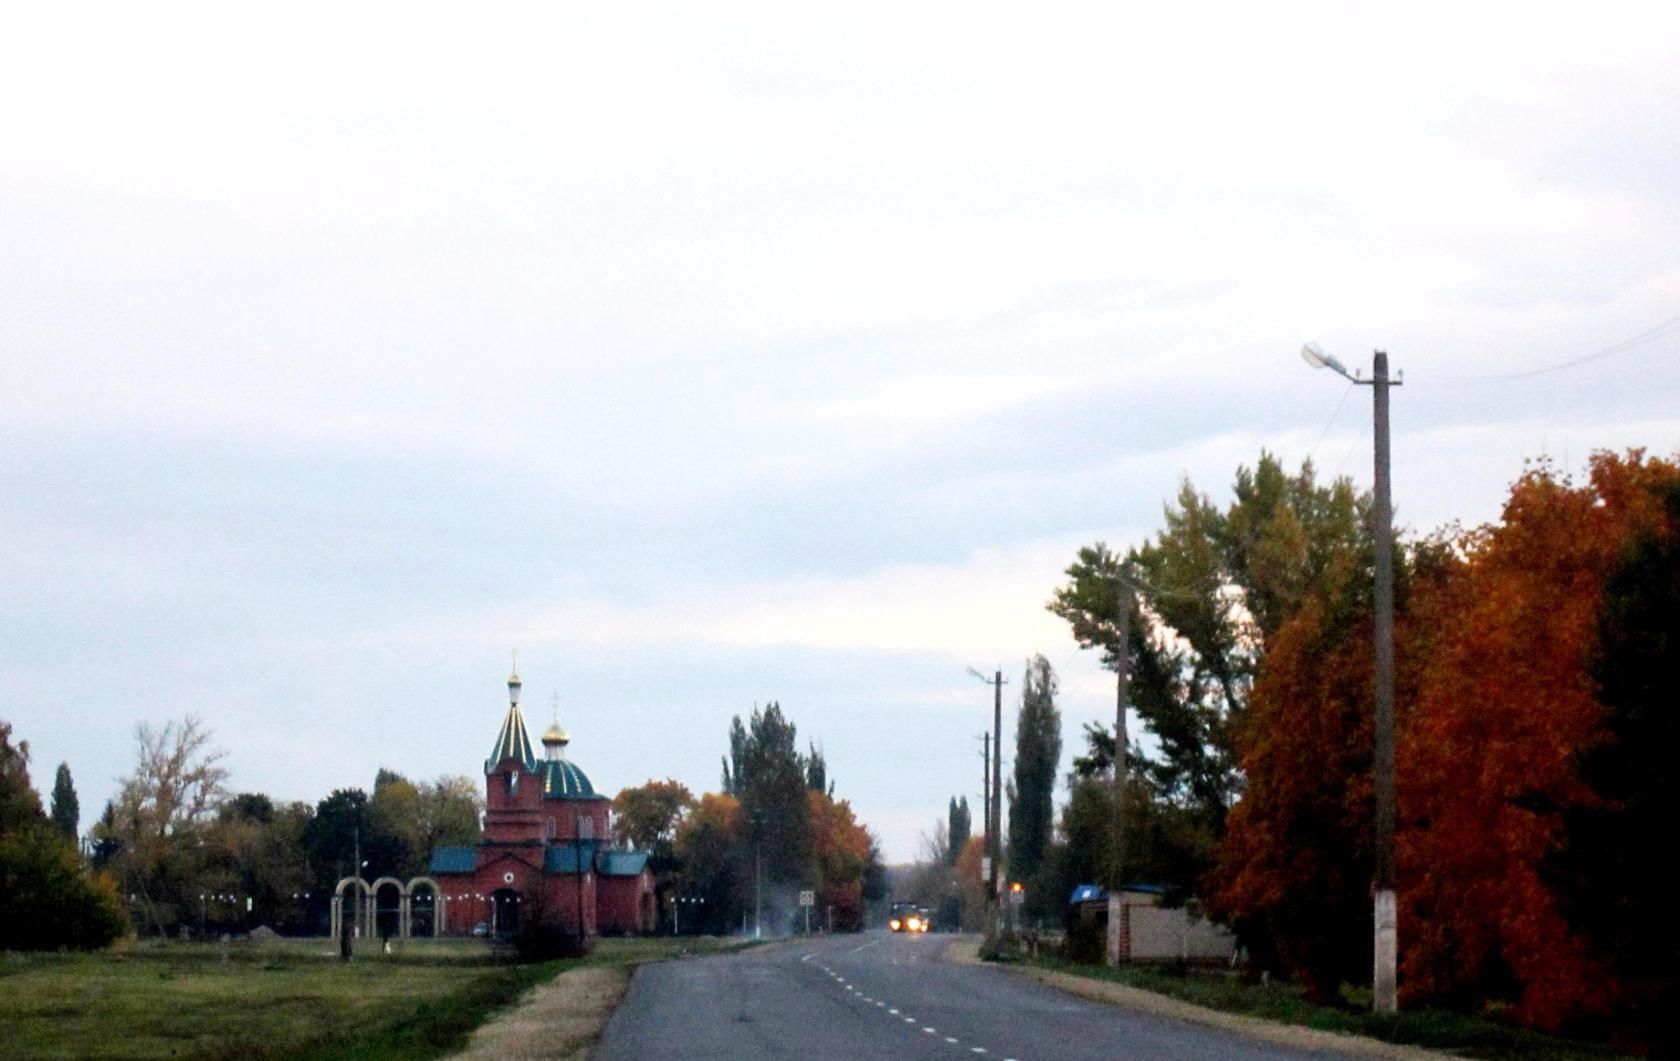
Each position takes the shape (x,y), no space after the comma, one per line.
(556,1021)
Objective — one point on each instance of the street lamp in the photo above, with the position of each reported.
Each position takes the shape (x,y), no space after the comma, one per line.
(1384,994)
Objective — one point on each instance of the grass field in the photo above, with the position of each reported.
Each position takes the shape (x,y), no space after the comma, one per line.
(282,999)
(1461,1034)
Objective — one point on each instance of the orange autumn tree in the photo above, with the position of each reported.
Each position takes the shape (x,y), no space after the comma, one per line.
(1293,872)
(1489,757)
(709,847)
(1502,687)
(840,850)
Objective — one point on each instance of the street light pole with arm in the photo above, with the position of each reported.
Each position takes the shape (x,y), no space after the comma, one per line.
(1384,981)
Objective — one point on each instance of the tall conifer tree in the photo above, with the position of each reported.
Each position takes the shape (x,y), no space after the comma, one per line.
(66,809)
(1038,754)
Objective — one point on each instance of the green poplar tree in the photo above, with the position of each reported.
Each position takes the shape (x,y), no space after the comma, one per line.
(1038,754)
(66,809)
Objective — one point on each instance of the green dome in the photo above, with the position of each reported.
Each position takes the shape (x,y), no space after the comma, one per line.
(563,780)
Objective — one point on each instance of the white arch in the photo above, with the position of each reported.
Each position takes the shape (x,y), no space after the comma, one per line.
(437,905)
(402,905)
(364,906)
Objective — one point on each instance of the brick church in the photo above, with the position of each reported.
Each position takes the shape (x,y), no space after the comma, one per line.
(547,847)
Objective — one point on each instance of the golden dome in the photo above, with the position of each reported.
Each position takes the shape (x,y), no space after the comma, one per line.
(555,735)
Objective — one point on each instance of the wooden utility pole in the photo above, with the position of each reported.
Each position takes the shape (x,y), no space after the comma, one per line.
(986,787)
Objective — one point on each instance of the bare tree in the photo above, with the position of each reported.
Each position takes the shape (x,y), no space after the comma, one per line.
(158,816)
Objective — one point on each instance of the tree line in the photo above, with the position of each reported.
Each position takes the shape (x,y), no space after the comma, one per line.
(775,829)
(1535,722)
(177,853)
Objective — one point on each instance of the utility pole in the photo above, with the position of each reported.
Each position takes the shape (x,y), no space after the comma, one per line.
(997,793)
(1385,951)
(1122,682)
(1122,679)
(986,786)
(758,889)
(1384,985)
(994,813)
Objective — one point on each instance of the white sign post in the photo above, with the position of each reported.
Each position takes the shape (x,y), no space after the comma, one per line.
(807,899)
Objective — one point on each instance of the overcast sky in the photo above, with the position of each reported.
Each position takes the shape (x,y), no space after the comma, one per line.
(713,355)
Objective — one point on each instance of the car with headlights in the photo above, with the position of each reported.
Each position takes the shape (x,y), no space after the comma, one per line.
(907,917)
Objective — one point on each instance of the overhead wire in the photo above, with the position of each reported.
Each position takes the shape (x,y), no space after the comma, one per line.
(1650,335)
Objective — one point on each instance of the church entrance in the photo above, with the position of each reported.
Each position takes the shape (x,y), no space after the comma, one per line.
(505,912)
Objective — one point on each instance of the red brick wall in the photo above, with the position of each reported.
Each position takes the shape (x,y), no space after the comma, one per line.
(622,907)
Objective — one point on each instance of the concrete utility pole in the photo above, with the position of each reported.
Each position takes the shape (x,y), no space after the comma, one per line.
(996,830)
(1122,681)
(986,786)
(1384,975)
(1122,688)
(994,813)
(1384,986)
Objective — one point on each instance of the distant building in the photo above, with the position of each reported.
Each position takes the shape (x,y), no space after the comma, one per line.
(547,849)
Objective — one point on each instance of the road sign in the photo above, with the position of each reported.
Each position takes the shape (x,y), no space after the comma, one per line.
(807,898)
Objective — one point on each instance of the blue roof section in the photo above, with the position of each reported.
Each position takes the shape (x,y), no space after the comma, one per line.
(562,855)
(454,860)
(623,863)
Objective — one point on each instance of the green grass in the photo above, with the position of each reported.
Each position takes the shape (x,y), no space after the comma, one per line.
(284,999)
(1463,1034)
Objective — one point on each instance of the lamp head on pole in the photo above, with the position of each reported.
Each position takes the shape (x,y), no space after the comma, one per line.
(1314,355)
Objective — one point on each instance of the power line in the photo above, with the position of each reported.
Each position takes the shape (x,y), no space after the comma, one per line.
(1331,422)
(1666,328)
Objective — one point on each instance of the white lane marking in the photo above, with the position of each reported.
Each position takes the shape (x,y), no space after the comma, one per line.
(909,1020)
(950,1038)
(894,1012)
(883,1005)
(809,956)
(929,1030)
(977,1049)
(871,943)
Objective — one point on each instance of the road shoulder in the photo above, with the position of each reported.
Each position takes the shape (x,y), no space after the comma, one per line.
(556,1021)
(966,951)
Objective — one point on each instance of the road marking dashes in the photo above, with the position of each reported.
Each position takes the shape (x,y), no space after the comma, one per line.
(927,1029)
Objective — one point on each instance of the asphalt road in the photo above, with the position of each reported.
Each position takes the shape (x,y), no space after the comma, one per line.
(884,996)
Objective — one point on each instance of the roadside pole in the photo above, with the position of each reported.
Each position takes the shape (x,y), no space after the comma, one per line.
(997,801)
(1122,678)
